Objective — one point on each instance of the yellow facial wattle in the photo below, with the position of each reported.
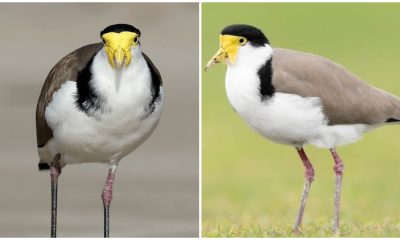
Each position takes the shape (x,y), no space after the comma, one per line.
(229,47)
(118,47)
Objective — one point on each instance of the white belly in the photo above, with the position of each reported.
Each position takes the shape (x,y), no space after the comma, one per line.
(285,118)
(104,137)
(289,119)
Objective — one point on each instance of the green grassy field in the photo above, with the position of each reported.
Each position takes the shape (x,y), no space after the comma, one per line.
(251,186)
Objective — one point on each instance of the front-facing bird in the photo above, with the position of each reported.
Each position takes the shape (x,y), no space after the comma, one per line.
(297,98)
(98,104)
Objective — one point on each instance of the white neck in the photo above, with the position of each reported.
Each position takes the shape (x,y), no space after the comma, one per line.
(108,79)
(101,65)
(242,81)
(120,86)
(250,57)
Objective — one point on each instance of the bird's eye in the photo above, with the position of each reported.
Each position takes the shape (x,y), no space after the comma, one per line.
(104,41)
(242,41)
(135,39)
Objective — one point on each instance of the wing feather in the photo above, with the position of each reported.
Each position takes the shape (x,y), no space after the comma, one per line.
(346,99)
(67,68)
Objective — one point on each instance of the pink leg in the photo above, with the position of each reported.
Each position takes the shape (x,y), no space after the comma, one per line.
(107,197)
(55,171)
(338,169)
(309,178)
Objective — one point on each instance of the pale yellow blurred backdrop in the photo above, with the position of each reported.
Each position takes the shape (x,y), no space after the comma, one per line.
(156,188)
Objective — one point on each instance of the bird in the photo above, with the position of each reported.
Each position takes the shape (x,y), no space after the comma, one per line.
(297,98)
(97,104)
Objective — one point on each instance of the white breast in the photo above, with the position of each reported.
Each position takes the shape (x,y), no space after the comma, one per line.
(284,118)
(108,136)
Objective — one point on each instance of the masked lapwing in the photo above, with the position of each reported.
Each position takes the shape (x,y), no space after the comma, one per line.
(98,104)
(298,98)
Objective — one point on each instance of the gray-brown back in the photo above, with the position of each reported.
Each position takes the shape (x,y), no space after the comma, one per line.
(346,99)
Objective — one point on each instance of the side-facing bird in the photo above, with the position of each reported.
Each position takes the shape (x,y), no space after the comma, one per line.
(98,104)
(297,98)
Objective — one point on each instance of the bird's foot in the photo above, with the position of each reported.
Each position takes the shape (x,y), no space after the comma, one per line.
(296,231)
(335,233)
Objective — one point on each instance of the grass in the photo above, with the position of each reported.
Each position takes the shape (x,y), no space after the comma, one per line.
(251,186)
(263,228)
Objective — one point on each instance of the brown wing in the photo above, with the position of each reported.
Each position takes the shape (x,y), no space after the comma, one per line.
(66,69)
(346,99)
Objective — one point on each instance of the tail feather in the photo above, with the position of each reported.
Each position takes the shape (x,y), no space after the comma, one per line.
(43,166)
(392,120)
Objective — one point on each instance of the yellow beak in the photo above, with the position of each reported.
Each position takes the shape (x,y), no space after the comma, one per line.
(119,58)
(228,50)
(118,47)
(218,57)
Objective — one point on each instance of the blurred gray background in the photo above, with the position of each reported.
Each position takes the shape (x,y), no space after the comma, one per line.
(156,187)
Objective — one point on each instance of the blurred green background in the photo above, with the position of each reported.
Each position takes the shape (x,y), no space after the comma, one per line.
(251,186)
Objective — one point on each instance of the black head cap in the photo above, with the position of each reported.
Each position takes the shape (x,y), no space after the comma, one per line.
(253,34)
(117,28)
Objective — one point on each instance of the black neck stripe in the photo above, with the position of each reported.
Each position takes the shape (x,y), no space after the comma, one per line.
(156,83)
(265,75)
(87,100)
